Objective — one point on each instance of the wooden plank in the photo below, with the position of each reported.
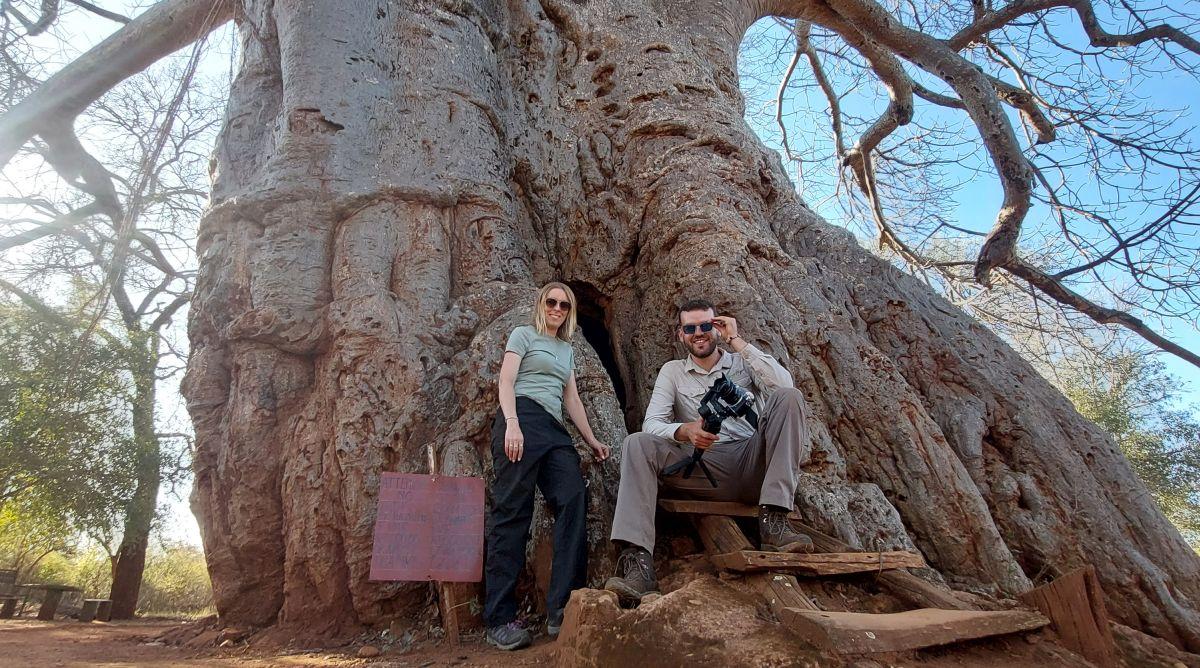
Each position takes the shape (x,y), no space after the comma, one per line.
(908,587)
(863,633)
(721,534)
(724,508)
(744,561)
(1075,605)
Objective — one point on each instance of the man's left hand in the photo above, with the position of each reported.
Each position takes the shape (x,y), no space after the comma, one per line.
(727,326)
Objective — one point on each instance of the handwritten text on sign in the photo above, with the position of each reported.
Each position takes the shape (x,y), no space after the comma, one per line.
(428,528)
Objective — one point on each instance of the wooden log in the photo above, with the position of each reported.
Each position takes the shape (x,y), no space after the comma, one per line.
(781,590)
(837,563)
(720,534)
(863,633)
(1075,605)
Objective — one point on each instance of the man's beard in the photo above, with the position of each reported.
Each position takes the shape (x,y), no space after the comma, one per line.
(701,352)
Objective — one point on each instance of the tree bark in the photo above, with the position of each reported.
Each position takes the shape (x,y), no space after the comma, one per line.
(395,179)
(130,560)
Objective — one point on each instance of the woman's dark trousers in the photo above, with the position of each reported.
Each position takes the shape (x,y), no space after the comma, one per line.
(553,469)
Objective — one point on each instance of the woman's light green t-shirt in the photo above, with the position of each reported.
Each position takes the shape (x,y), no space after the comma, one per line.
(546,364)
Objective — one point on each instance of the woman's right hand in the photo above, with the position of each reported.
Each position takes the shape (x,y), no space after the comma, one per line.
(514,442)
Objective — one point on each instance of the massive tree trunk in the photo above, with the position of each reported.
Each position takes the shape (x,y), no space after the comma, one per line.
(394,179)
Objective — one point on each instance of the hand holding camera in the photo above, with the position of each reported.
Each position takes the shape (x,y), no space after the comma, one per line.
(693,432)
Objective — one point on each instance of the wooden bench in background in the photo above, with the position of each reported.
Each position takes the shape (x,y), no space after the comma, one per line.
(99,609)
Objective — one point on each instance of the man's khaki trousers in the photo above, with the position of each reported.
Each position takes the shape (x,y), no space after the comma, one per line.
(761,469)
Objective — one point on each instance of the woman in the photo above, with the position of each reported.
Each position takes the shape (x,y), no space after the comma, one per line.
(531,447)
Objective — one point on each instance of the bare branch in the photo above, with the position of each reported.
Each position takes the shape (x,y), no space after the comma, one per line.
(994,20)
(161,30)
(100,11)
(1108,316)
(58,225)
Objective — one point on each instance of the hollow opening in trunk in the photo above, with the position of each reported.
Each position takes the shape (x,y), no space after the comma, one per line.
(593,318)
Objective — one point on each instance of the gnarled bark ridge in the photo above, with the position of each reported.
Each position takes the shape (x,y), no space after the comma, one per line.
(394,178)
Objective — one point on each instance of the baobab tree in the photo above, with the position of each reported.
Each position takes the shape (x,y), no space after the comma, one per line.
(394,178)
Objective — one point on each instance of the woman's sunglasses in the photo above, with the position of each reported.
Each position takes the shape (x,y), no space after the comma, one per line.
(551,302)
(690,330)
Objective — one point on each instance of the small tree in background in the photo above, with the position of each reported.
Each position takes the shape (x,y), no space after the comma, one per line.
(66,458)
(1130,396)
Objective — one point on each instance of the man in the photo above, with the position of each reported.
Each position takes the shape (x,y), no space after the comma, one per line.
(750,466)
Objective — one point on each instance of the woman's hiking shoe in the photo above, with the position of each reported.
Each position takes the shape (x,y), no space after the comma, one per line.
(509,636)
(636,579)
(776,533)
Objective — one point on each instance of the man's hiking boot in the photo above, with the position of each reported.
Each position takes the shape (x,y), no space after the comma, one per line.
(636,579)
(777,534)
(554,623)
(509,636)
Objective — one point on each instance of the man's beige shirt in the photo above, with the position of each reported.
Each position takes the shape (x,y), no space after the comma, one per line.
(682,383)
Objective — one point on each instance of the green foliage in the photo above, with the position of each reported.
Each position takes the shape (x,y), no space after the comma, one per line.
(1130,396)
(30,532)
(174,584)
(65,444)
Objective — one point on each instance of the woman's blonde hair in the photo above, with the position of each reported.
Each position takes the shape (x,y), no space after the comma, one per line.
(567,329)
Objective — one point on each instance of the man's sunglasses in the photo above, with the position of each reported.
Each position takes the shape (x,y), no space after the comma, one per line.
(551,302)
(691,329)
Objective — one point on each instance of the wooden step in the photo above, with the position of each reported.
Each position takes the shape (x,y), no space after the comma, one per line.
(835,563)
(780,590)
(910,588)
(725,508)
(863,633)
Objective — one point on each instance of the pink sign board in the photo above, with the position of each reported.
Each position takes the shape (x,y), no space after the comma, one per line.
(428,528)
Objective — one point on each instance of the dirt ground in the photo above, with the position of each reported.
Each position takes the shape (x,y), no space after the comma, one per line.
(28,643)
(68,644)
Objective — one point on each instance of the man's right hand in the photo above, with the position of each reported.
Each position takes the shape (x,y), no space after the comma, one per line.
(693,432)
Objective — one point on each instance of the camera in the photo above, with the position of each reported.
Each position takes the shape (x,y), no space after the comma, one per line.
(725,399)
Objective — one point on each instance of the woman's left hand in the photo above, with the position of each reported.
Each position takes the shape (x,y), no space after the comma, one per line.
(599,450)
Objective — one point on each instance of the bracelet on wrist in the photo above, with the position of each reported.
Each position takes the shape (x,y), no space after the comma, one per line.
(511,418)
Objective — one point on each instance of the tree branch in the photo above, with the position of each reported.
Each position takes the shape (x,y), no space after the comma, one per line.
(63,223)
(1103,315)
(161,30)
(1097,35)
(100,11)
